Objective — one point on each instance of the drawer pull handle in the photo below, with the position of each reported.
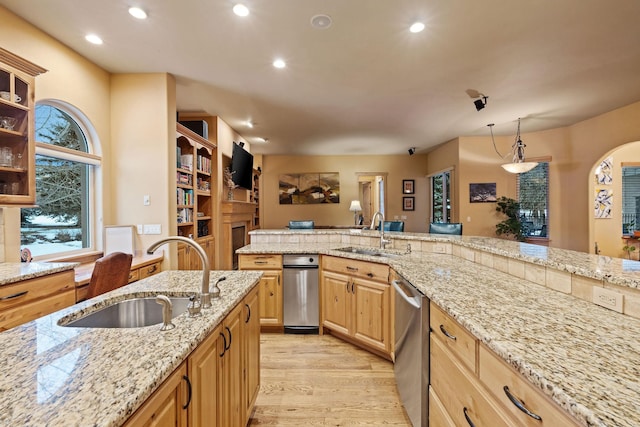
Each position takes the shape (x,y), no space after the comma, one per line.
(466,416)
(248,313)
(260,262)
(352,268)
(14,296)
(353,291)
(447,334)
(224,344)
(152,269)
(520,404)
(189,391)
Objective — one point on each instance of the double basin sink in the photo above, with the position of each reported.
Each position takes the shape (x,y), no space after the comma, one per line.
(130,313)
(370,252)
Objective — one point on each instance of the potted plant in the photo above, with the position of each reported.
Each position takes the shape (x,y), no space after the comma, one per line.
(628,249)
(512,225)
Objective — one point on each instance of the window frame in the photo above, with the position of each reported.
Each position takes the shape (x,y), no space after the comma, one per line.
(91,158)
(450,187)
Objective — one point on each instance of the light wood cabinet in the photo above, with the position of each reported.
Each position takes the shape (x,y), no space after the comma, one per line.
(195,194)
(17,103)
(356,302)
(218,383)
(167,406)
(30,299)
(271,311)
(525,404)
(470,385)
(230,346)
(251,351)
(203,373)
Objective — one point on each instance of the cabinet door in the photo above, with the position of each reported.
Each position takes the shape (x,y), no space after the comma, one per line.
(230,398)
(370,310)
(165,406)
(336,292)
(203,373)
(251,352)
(271,299)
(183,257)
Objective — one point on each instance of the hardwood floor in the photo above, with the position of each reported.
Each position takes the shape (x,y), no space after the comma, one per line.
(323,381)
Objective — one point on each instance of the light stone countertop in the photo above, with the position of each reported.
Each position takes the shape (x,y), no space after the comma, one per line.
(584,357)
(11,272)
(59,376)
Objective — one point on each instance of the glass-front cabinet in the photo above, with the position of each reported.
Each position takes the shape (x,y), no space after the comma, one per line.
(17,145)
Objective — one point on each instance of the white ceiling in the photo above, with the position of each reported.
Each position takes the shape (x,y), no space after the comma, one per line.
(366,85)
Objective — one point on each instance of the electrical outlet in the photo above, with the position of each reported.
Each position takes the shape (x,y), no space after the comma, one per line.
(608,299)
(145,200)
(140,229)
(439,249)
(152,229)
(403,217)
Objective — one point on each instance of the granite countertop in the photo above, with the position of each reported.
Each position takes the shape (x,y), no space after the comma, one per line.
(59,376)
(11,272)
(584,357)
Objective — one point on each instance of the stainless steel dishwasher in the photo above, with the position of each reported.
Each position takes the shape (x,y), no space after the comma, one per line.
(300,294)
(411,366)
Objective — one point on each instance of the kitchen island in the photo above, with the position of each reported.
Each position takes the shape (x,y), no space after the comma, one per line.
(531,305)
(63,376)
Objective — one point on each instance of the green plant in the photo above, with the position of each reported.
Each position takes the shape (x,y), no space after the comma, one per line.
(512,225)
(628,249)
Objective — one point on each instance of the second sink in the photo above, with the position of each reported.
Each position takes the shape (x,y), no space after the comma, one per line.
(130,313)
(369,252)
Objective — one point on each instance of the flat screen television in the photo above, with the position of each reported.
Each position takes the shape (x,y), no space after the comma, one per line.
(242,167)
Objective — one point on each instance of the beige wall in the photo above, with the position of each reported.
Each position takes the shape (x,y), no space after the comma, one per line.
(71,78)
(143,124)
(398,168)
(575,151)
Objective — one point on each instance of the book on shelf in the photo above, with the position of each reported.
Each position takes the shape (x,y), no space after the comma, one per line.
(184,196)
(178,156)
(185,215)
(186,161)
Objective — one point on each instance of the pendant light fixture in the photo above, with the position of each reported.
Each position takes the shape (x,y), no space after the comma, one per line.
(518,163)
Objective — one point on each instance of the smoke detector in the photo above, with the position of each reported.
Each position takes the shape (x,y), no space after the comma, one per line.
(321,22)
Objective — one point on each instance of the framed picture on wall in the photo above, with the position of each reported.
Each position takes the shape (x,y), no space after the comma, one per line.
(408,186)
(408,203)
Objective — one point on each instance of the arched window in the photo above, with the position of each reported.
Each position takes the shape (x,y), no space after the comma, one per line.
(62,222)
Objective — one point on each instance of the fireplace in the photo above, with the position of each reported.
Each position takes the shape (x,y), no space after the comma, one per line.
(238,233)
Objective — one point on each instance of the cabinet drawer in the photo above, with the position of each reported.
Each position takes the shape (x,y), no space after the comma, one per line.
(461,393)
(134,275)
(496,375)
(149,270)
(438,415)
(364,269)
(26,291)
(41,307)
(258,262)
(455,337)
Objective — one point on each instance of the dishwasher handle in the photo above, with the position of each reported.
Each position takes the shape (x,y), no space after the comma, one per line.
(402,289)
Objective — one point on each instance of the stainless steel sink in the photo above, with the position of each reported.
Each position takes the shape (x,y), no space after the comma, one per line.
(130,313)
(369,251)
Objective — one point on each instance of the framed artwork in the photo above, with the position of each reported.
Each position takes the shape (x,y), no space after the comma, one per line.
(603,172)
(482,192)
(408,203)
(603,203)
(309,188)
(408,186)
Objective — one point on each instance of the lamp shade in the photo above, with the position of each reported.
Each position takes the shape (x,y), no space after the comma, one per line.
(355,206)
(519,167)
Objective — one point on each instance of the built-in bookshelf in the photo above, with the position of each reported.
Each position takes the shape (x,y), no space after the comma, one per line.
(195,181)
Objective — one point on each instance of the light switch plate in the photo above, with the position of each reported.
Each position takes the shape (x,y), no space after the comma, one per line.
(152,229)
(608,299)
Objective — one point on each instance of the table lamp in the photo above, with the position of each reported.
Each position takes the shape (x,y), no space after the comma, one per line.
(355,208)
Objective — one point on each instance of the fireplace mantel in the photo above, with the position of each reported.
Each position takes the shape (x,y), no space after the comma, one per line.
(234,213)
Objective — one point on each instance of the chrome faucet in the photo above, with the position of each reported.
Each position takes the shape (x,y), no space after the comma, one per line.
(205,295)
(383,241)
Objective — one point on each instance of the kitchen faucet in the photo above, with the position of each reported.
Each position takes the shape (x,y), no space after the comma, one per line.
(205,296)
(383,241)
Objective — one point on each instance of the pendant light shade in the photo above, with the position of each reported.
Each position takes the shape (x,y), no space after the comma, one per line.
(518,163)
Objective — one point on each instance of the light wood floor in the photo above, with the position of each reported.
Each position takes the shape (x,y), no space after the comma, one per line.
(323,381)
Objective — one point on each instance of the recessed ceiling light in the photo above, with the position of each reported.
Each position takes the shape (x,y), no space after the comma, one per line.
(137,13)
(321,22)
(279,63)
(241,10)
(249,123)
(416,27)
(92,38)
